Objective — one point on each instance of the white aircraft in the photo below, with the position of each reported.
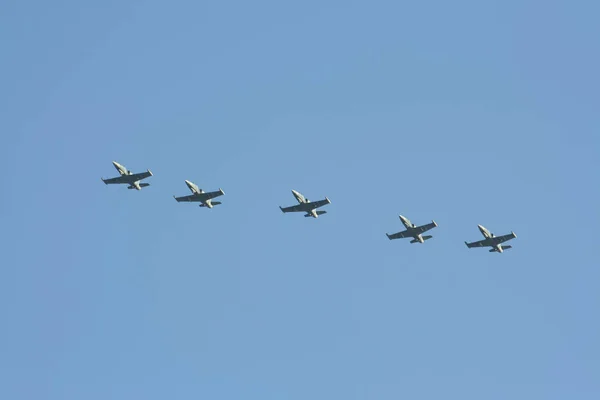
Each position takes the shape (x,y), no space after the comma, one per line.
(199,195)
(413,231)
(492,240)
(306,206)
(128,177)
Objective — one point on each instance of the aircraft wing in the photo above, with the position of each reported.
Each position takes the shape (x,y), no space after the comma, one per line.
(504,238)
(212,195)
(480,243)
(399,235)
(320,203)
(118,179)
(425,228)
(141,175)
(191,197)
(297,208)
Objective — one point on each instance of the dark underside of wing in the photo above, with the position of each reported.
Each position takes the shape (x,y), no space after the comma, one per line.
(424,228)
(211,195)
(319,203)
(399,235)
(504,238)
(481,243)
(297,208)
(191,197)
(118,179)
(140,176)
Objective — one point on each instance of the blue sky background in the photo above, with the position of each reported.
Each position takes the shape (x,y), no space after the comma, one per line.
(466,112)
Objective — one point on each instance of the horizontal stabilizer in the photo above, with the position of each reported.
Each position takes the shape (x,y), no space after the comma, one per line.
(318,213)
(144,184)
(427,237)
(212,203)
(414,241)
(506,247)
(131,187)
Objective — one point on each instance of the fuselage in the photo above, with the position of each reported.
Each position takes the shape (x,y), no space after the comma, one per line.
(485,232)
(126,173)
(410,227)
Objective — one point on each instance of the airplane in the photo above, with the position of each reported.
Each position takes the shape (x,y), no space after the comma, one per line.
(413,231)
(305,205)
(492,240)
(199,195)
(128,177)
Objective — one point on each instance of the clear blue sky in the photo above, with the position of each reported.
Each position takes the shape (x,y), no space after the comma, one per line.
(466,112)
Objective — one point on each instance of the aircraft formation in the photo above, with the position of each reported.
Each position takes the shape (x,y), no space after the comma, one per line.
(309,208)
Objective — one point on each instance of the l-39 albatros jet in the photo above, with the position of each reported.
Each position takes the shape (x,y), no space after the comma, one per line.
(199,195)
(305,205)
(492,240)
(413,231)
(128,177)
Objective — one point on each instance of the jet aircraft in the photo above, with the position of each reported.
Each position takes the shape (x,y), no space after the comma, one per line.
(413,231)
(128,177)
(492,240)
(199,195)
(306,206)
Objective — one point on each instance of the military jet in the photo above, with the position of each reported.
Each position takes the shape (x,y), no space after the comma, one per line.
(492,240)
(305,205)
(128,177)
(199,195)
(413,231)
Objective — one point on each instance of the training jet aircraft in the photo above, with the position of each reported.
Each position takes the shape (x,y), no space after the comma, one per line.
(305,205)
(492,240)
(128,177)
(413,231)
(199,195)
